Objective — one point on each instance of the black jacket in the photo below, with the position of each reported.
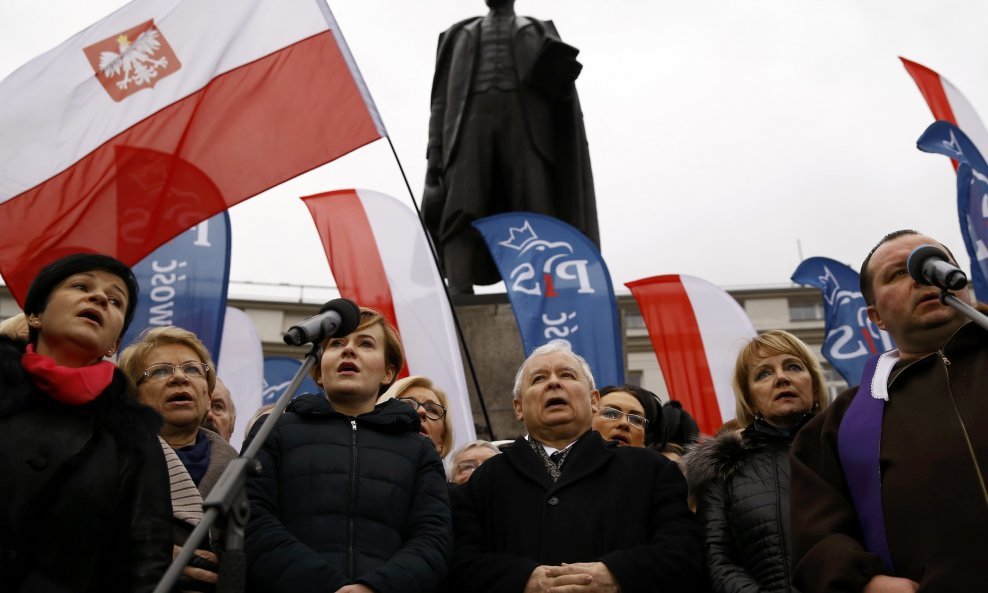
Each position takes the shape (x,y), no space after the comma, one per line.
(623,506)
(347,500)
(84,498)
(741,484)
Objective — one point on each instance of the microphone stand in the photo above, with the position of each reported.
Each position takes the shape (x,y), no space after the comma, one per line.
(227,504)
(973,314)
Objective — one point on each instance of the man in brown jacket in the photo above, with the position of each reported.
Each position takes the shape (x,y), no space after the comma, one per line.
(888,492)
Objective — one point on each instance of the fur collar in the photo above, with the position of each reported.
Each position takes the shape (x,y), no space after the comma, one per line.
(115,408)
(714,458)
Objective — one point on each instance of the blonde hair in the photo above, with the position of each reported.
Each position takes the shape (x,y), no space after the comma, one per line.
(772,343)
(402,385)
(133,358)
(15,328)
(478,444)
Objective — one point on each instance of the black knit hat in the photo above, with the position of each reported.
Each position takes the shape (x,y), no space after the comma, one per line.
(54,273)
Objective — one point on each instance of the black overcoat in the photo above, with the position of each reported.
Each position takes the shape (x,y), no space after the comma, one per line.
(623,506)
(84,498)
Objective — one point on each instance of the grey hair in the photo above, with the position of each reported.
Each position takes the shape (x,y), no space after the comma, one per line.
(478,444)
(551,347)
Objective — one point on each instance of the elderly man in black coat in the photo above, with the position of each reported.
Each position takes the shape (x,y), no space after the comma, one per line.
(563,507)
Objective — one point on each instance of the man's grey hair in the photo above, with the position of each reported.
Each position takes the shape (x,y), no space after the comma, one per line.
(551,347)
(455,457)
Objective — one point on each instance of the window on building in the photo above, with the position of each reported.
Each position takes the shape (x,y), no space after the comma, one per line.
(634,321)
(805,311)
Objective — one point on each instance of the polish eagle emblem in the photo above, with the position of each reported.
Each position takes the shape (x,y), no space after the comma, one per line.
(135,61)
(132,60)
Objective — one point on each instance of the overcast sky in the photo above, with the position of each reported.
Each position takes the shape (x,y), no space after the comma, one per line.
(722,134)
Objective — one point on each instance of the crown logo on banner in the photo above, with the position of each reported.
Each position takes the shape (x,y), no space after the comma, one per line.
(520,237)
(131,60)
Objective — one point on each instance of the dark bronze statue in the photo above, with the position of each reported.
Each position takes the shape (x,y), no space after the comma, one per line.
(506,134)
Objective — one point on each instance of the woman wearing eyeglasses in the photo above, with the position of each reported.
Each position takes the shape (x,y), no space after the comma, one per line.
(83,486)
(626,415)
(741,481)
(431,405)
(350,497)
(174,375)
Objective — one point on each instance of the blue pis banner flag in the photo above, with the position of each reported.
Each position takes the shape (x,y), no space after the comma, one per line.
(184,283)
(851,337)
(278,374)
(945,138)
(559,288)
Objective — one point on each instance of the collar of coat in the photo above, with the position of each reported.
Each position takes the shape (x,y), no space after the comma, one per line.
(388,416)
(116,408)
(588,453)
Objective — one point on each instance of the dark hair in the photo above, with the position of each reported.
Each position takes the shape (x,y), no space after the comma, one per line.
(650,404)
(51,275)
(866,291)
(681,428)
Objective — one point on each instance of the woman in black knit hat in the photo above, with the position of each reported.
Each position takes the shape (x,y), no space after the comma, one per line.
(84,499)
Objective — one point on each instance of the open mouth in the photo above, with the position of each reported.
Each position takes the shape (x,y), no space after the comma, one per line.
(347,367)
(786,396)
(180,398)
(92,315)
(620,438)
(555,401)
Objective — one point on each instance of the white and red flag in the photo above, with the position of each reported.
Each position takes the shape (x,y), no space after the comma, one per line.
(163,114)
(948,104)
(381,258)
(696,331)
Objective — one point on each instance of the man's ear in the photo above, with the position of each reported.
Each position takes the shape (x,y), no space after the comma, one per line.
(875,317)
(517,405)
(594,401)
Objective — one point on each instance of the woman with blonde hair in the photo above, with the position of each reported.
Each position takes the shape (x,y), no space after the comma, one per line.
(741,480)
(432,406)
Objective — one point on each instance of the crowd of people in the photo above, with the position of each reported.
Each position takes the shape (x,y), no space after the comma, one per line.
(106,465)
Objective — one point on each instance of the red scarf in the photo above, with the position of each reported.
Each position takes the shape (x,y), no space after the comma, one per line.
(71,386)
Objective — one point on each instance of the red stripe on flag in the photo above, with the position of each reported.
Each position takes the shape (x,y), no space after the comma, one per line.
(352,251)
(675,336)
(245,132)
(929,84)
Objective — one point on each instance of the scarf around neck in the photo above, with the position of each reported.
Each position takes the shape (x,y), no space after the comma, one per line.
(70,386)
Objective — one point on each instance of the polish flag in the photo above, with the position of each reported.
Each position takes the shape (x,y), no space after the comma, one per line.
(381,258)
(696,330)
(163,114)
(948,104)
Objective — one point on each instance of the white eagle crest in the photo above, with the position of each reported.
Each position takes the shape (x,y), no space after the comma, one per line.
(135,61)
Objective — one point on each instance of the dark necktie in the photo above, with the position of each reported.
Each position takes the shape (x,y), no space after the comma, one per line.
(557,457)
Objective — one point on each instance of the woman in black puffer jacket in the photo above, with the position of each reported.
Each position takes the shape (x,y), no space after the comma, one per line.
(741,478)
(351,497)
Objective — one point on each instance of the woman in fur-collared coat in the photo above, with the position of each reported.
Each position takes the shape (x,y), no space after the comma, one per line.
(740,478)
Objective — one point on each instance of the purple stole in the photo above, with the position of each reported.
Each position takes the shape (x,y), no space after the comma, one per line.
(859,440)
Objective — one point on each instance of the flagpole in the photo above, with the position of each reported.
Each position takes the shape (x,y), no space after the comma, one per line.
(449,299)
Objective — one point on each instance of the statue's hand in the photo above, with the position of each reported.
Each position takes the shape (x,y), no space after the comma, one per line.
(433,199)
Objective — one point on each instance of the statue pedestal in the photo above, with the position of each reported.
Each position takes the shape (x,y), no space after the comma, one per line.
(490,332)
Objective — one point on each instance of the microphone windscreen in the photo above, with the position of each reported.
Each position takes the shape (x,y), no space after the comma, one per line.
(918,257)
(349,315)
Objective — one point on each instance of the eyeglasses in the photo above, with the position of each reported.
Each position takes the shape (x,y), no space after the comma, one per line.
(433,411)
(163,371)
(615,415)
(466,466)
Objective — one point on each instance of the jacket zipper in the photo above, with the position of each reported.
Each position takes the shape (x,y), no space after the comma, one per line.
(353,497)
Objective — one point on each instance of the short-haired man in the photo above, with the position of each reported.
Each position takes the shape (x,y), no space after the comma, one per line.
(563,507)
(222,415)
(888,492)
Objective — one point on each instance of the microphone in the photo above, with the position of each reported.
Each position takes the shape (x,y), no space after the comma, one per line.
(338,317)
(928,264)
